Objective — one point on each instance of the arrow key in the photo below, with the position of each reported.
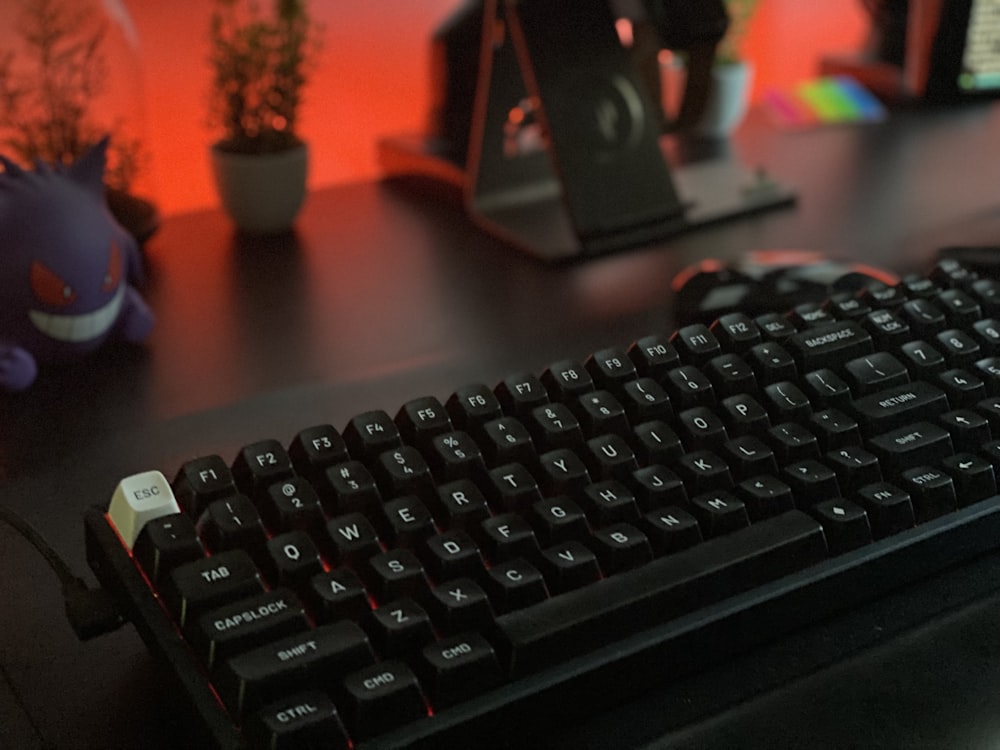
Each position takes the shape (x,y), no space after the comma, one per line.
(968,429)
(973,476)
(845,525)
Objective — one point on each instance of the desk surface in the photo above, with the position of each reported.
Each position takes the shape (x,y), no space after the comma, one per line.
(381,296)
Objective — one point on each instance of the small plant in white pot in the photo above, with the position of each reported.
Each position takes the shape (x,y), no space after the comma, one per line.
(732,75)
(260,57)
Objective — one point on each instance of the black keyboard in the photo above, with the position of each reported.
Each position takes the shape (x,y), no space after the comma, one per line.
(463,570)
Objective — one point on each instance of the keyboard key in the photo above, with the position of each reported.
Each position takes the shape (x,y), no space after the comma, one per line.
(736,332)
(568,566)
(621,547)
(654,356)
(765,496)
(557,520)
(608,502)
(899,405)
(829,345)
(719,513)
(513,585)
(456,668)
(562,472)
(845,525)
(889,508)
(245,624)
(369,434)
(259,465)
(305,661)
(233,523)
(931,490)
(458,605)
(292,505)
(381,697)
(166,542)
(197,586)
(611,369)
(405,522)
(554,426)
(507,536)
(137,500)
(506,441)
(349,487)
(351,540)
(907,447)
(403,471)
(473,405)
(422,419)
(566,379)
(200,481)
(519,394)
(314,449)
(696,344)
(451,554)
(394,574)
(454,455)
(307,719)
(874,372)
(399,628)
(336,595)
(292,559)
(974,478)
(671,529)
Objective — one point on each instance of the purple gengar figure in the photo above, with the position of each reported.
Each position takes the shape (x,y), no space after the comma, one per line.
(65,264)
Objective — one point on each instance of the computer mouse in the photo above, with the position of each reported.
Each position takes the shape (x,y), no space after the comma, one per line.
(767,281)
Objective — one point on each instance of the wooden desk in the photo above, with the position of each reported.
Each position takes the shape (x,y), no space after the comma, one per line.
(382,296)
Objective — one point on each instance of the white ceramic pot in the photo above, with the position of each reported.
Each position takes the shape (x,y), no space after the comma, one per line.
(262,193)
(728,100)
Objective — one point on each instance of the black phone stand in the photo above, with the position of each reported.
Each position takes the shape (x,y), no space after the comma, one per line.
(566,157)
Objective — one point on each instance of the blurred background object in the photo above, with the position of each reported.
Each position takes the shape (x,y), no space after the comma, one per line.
(69,74)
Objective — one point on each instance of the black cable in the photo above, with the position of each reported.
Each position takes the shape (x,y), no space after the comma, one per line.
(91,612)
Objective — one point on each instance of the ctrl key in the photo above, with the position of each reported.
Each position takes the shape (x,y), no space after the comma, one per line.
(306,719)
(381,697)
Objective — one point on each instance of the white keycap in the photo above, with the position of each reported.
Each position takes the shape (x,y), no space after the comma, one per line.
(139,499)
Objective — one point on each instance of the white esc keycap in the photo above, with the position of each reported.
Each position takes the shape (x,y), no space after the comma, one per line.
(139,499)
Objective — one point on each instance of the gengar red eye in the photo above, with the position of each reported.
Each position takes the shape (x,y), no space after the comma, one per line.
(114,273)
(49,287)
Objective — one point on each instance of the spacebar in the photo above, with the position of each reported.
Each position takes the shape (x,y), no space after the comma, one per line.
(609,610)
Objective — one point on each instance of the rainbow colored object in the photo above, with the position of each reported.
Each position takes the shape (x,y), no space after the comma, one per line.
(823,101)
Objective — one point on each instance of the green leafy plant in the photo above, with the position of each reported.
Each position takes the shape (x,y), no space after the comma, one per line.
(260,61)
(740,14)
(49,85)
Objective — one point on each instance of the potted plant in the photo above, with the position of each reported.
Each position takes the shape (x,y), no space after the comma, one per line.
(259,60)
(732,76)
(58,99)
